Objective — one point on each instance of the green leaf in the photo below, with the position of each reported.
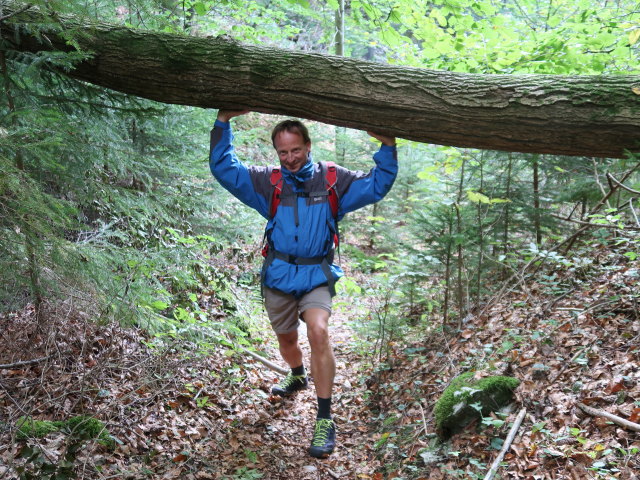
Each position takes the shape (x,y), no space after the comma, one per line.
(159,305)
(476,197)
(200,8)
(496,443)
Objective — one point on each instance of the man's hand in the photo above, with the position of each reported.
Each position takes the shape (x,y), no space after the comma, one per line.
(390,141)
(226,115)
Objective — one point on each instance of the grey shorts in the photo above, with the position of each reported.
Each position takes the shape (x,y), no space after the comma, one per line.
(285,311)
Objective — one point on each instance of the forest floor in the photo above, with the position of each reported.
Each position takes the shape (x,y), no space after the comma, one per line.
(177,411)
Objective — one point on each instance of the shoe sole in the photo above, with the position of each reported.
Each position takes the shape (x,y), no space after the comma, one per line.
(320,455)
(284,394)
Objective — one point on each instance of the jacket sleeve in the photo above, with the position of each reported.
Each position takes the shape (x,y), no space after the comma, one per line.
(357,189)
(232,174)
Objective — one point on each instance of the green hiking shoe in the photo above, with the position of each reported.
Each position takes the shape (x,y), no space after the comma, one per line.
(290,384)
(324,438)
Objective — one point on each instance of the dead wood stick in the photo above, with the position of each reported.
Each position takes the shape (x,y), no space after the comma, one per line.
(630,190)
(568,364)
(24,362)
(331,473)
(633,212)
(595,225)
(507,443)
(609,416)
(268,363)
(570,240)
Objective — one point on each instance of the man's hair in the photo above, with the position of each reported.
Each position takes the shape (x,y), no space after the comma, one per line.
(291,126)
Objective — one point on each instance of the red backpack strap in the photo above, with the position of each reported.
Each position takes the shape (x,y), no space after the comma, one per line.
(331,177)
(276,183)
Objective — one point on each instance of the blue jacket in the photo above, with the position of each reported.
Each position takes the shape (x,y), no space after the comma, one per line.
(303,226)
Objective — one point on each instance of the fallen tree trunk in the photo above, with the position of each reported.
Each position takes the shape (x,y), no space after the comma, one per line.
(565,115)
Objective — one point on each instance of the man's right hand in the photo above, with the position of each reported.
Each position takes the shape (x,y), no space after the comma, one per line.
(226,115)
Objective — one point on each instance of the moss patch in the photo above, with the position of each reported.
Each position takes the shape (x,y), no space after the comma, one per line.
(30,428)
(82,427)
(453,411)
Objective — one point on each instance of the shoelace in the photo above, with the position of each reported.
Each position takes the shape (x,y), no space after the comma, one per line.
(323,427)
(289,380)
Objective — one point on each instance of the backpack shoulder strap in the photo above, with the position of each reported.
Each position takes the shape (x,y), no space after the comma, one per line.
(276,183)
(331,178)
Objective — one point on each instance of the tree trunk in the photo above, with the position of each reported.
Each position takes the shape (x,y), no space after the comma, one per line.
(462,311)
(30,245)
(536,201)
(505,234)
(341,133)
(565,115)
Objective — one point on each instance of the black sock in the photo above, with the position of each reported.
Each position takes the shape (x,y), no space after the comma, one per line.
(298,371)
(324,407)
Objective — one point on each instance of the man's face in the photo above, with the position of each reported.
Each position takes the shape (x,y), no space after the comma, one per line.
(292,151)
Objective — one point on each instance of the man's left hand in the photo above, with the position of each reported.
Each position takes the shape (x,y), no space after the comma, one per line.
(386,140)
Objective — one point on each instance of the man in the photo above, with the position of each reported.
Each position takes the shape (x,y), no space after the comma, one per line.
(298,275)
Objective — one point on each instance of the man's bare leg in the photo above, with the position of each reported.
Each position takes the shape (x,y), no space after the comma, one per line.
(290,348)
(292,354)
(323,368)
(323,363)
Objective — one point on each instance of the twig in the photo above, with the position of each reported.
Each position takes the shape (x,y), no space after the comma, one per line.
(424,424)
(595,225)
(570,240)
(271,365)
(621,185)
(331,473)
(633,212)
(609,416)
(17,12)
(568,364)
(24,362)
(507,443)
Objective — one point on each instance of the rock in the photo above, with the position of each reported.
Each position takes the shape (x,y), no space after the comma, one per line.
(467,399)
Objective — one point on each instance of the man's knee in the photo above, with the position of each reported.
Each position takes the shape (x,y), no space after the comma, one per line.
(317,321)
(288,340)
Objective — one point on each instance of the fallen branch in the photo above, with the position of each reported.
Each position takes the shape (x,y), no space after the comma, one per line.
(24,362)
(595,225)
(507,443)
(261,359)
(609,416)
(570,240)
(621,185)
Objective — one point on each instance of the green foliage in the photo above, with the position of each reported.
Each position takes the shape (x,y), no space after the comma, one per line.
(108,200)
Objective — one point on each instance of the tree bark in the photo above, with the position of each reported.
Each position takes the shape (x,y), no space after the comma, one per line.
(555,114)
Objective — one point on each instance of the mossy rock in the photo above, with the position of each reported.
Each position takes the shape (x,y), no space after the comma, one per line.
(81,427)
(453,411)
